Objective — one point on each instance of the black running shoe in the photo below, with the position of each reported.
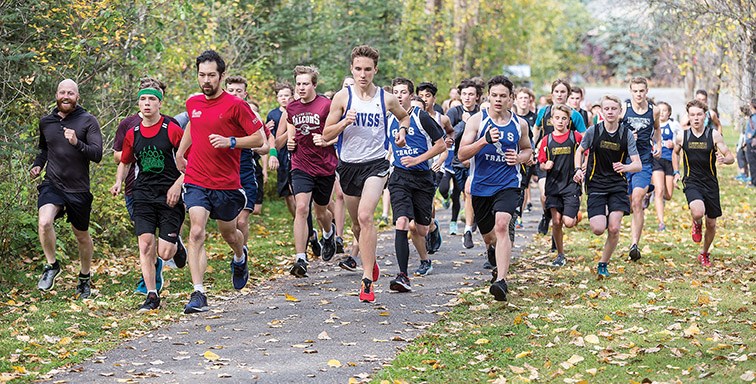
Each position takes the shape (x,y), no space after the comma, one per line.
(329,245)
(499,290)
(47,280)
(299,269)
(491,253)
(339,245)
(349,264)
(401,283)
(84,288)
(635,254)
(240,271)
(543,226)
(468,242)
(315,244)
(151,303)
(180,257)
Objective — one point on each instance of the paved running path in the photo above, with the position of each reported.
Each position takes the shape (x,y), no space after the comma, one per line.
(260,337)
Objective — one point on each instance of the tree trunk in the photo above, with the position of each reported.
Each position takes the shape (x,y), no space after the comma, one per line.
(690,82)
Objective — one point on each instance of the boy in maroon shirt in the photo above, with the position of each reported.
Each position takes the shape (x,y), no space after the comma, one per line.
(313,165)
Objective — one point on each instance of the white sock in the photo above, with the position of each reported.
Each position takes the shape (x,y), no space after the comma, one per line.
(239,259)
(468,228)
(199,287)
(327,235)
(301,256)
(152,291)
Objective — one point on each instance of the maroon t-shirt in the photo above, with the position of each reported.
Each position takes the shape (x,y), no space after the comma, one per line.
(126,124)
(308,119)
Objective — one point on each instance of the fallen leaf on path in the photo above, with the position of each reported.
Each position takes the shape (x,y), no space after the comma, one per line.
(333,363)
(748,376)
(324,336)
(523,354)
(211,356)
(692,331)
(290,298)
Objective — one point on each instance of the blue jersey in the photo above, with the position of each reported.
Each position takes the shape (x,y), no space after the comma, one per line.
(422,132)
(489,171)
(667,134)
(643,126)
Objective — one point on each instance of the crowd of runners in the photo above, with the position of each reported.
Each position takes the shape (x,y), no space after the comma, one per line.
(346,151)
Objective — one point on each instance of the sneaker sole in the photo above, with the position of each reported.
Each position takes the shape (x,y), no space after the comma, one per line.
(426,272)
(189,310)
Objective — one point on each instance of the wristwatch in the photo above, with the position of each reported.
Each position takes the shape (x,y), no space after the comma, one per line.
(232,141)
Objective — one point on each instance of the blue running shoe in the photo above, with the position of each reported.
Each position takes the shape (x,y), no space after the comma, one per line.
(602,270)
(197,303)
(240,272)
(141,288)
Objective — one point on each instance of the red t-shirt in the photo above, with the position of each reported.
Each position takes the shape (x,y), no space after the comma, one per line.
(559,139)
(308,119)
(174,133)
(226,115)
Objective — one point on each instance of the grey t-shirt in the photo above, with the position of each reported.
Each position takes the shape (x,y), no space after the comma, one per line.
(588,135)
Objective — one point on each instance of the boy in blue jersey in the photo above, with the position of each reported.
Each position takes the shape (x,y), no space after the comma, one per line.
(663,177)
(496,142)
(642,119)
(411,184)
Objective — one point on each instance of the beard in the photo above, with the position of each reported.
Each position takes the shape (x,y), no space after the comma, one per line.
(65,105)
(210,91)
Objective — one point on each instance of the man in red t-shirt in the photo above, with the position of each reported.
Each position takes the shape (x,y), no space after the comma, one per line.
(313,165)
(220,125)
(156,190)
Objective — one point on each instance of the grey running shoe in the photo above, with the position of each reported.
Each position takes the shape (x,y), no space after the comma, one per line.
(401,283)
(197,303)
(47,280)
(468,242)
(425,268)
(559,261)
(349,264)
(84,288)
(299,269)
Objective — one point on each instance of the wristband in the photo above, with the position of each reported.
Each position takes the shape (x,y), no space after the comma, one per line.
(273,152)
(675,173)
(489,139)
(232,142)
(404,128)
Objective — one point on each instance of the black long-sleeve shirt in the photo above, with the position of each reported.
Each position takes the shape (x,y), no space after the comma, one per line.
(68,165)
(455,117)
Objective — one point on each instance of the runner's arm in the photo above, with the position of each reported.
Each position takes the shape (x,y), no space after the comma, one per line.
(334,123)
(468,146)
(724,155)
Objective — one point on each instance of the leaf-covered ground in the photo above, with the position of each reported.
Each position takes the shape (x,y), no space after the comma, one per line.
(42,331)
(663,319)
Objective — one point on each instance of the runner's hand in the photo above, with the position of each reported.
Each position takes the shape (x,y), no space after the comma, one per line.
(720,158)
(409,161)
(350,117)
(70,135)
(677,181)
(218,141)
(618,167)
(511,156)
(180,163)
(492,135)
(578,178)
(35,170)
(548,165)
(173,195)
(401,137)
(291,144)
(656,153)
(273,163)
(436,166)
(116,188)
(317,139)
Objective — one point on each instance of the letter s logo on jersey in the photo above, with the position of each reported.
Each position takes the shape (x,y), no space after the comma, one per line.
(369,120)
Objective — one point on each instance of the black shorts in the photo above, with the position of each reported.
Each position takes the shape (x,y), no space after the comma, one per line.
(568,205)
(710,198)
(601,204)
(260,181)
(223,205)
(460,176)
(541,173)
(151,216)
(663,165)
(352,176)
(412,194)
(320,186)
(283,186)
(485,207)
(77,206)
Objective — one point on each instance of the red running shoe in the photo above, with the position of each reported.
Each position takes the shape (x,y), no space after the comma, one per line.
(367,294)
(376,271)
(695,232)
(703,258)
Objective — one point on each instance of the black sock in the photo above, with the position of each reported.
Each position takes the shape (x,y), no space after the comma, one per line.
(83,276)
(56,264)
(402,250)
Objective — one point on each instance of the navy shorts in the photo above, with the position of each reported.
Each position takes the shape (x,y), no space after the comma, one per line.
(76,206)
(249,184)
(640,179)
(485,207)
(223,205)
(602,204)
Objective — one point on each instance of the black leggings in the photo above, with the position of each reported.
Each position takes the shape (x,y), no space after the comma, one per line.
(443,188)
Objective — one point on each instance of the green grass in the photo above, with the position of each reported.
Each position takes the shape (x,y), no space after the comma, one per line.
(42,331)
(665,319)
